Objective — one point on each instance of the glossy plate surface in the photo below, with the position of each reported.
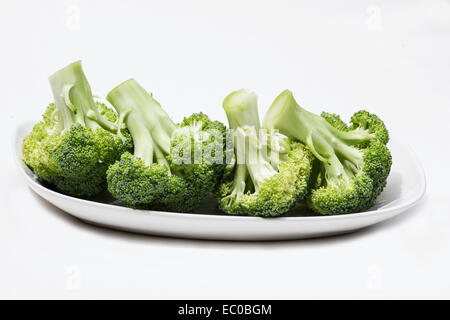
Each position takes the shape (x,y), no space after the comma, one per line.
(405,187)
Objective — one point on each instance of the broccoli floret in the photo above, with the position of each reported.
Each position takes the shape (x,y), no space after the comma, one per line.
(68,148)
(173,167)
(269,175)
(354,161)
(335,120)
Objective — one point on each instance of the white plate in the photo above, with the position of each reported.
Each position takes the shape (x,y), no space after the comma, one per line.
(405,187)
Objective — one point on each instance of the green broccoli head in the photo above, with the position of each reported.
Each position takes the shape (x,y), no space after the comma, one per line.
(363,120)
(138,184)
(335,120)
(354,161)
(269,175)
(67,148)
(173,167)
(197,144)
(197,155)
(39,142)
(83,155)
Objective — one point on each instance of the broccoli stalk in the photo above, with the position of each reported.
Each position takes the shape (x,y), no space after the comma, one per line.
(74,101)
(331,146)
(257,164)
(149,125)
(241,108)
(242,113)
(349,180)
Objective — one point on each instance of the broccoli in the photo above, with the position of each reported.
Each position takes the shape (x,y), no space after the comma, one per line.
(269,175)
(353,160)
(173,167)
(72,147)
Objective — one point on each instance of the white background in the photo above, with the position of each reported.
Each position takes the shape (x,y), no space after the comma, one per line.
(390,57)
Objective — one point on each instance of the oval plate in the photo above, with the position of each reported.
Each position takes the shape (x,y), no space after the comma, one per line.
(405,187)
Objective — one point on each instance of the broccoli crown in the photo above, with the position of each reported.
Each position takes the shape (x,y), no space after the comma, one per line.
(67,148)
(138,184)
(38,143)
(269,175)
(335,120)
(173,167)
(198,155)
(354,161)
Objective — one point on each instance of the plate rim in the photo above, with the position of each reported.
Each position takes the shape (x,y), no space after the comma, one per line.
(403,205)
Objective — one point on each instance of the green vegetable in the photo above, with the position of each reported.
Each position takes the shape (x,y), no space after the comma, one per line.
(72,147)
(172,167)
(353,160)
(269,175)
(145,160)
